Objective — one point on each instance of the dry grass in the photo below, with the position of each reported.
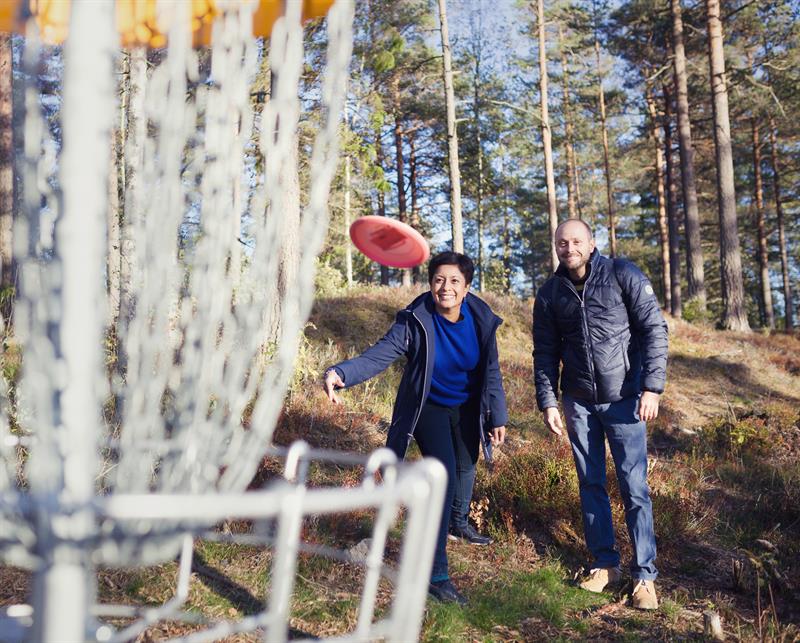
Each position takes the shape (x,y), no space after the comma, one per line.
(724,476)
(710,371)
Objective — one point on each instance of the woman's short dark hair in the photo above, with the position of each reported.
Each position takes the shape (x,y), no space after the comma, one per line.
(463,262)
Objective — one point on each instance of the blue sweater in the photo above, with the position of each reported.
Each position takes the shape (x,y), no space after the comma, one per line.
(412,335)
(456,359)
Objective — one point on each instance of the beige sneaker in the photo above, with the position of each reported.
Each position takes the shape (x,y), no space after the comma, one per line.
(644,595)
(600,577)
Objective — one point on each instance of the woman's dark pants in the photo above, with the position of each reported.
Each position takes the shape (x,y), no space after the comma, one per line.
(450,434)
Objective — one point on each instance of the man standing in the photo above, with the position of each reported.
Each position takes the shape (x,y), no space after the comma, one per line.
(599,319)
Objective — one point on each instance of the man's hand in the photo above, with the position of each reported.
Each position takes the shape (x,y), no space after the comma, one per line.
(498,436)
(332,381)
(552,420)
(648,406)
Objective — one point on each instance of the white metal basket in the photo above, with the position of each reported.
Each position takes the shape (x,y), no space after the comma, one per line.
(204,354)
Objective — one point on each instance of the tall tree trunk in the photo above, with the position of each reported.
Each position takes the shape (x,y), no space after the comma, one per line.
(506,236)
(776,182)
(402,213)
(416,271)
(452,134)
(235,257)
(568,130)
(663,232)
(612,207)
(381,197)
(7,270)
(506,242)
(768,314)
(578,199)
(348,248)
(547,143)
(676,307)
(289,231)
(479,148)
(135,134)
(734,316)
(694,249)
(113,214)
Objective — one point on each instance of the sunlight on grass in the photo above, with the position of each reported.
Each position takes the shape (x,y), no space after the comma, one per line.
(543,593)
(509,599)
(445,623)
(671,610)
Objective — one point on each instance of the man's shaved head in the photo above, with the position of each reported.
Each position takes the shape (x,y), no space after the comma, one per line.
(581,222)
(574,245)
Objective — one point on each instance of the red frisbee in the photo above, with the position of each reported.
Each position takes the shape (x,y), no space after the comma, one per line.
(389,242)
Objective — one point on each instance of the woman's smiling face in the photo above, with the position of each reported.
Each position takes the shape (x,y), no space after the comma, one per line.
(448,287)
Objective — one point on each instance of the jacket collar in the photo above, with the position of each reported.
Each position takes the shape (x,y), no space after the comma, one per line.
(594,260)
(423,307)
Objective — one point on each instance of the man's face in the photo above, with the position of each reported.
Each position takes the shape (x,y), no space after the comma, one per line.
(573,246)
(448,287)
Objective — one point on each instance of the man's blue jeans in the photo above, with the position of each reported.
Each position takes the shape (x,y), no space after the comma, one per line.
(588,425)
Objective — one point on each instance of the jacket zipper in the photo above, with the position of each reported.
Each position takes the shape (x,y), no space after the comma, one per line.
(484,392)
(427,352)
(586,331)
(425,379)
(591,349)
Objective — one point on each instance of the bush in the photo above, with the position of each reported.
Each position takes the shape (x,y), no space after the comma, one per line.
(693,313)
(746,437)
(538,487)
(328,280)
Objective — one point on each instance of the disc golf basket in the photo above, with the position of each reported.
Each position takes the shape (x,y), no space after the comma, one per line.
(123,465)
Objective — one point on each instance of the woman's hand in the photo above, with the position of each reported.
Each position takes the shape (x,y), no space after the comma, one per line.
(498,436)
(332,381)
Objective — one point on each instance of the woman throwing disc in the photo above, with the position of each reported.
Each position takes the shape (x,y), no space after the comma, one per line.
(450,399)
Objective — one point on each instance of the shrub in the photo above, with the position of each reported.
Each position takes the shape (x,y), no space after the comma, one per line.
(535,486)
(747,437)
(328,280)
(693,313)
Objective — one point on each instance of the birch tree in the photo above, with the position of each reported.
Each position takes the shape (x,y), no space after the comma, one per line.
(569,147)
(135,133)
(477,56)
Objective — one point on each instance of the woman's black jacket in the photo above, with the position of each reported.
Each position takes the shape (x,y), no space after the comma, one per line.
(412,335)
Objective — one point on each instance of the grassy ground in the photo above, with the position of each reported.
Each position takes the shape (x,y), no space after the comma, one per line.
(724,473)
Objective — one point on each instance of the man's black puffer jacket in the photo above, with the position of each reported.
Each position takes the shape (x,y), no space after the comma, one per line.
(612,341)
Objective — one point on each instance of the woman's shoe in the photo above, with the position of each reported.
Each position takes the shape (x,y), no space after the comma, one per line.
(468,534)
(445,592)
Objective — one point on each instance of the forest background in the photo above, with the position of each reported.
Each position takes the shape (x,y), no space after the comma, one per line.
(672,130)
(619,113)
(624,101)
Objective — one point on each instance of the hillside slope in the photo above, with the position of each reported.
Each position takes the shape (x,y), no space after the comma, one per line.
(724,475)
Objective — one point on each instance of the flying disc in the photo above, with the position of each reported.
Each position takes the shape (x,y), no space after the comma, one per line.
(389,242)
